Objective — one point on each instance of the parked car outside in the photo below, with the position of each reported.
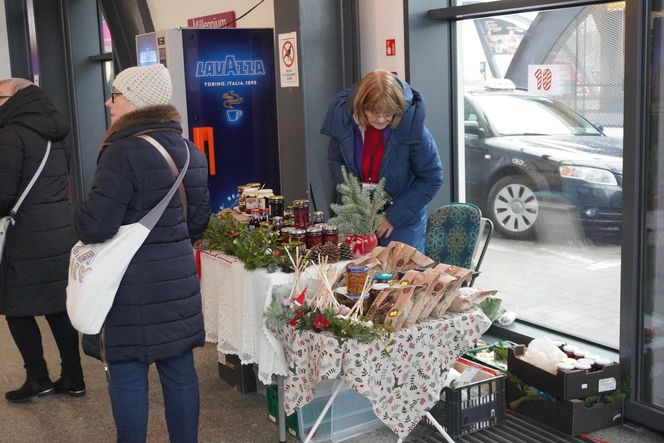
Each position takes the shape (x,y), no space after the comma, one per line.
(525,152)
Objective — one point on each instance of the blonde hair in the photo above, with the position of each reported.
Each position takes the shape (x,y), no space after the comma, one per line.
(379,92)
(15,84)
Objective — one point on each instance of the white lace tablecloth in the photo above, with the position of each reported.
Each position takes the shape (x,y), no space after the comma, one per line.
(402,383)
(234,300)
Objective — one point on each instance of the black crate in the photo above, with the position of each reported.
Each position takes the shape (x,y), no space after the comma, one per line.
(241,377)
(474,406)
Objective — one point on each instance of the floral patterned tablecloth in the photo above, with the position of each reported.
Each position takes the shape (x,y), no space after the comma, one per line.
(401,376)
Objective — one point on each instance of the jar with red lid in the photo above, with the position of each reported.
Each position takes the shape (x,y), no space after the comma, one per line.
(330,234)
(314,236)
(301,213)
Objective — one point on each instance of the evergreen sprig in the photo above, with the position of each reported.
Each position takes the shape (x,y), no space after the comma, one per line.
(361,210)
(255,247)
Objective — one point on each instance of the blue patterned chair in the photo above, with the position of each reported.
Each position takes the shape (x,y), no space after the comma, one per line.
(454,232)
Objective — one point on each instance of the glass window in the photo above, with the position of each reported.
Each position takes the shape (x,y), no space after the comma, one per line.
(653,303)
(542,157)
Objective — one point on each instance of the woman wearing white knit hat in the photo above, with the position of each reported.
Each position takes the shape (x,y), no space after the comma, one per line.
(156,315)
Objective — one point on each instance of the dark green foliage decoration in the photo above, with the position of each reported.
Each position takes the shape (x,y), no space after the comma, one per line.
(255,247)
(361,210)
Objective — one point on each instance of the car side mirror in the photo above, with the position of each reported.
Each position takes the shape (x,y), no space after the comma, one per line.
(473,127)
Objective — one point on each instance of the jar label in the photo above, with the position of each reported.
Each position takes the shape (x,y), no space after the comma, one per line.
(607,384)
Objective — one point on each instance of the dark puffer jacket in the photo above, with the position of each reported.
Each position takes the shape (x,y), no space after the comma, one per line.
(157,310)
(33,272)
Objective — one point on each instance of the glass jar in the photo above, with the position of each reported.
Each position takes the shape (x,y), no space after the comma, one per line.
(255,220)
(317,218)
(277,223)
(566,366)
(314,236)
(285,234)
(250,199)
(265,214)
(264,198)
(382,277)
(356,276)
(301,213)
(569,350)
(241,198)
(298,235)
(330,234)
(276,206)
(289,217)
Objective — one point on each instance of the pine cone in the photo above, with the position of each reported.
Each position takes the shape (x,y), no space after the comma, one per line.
(345,252)
(314,254)
(331,250)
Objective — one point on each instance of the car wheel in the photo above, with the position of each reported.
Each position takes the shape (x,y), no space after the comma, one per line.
(513,207)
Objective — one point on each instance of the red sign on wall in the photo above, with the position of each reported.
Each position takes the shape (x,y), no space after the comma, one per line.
(220,20)
(390,47)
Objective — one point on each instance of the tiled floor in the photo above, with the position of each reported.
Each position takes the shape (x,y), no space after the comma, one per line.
(574,288)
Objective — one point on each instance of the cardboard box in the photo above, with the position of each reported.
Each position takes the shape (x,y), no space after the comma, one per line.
(572,417)
(565,385)
(241,377)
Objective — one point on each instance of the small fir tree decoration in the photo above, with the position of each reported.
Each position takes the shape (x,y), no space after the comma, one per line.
(360,210)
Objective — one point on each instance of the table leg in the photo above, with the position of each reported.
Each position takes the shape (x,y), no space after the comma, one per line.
(282,412)
(338,384)
(438,427)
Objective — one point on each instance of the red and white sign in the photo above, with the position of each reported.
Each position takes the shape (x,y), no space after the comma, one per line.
(545,79)
(288,60)
(221,20)
(391,47)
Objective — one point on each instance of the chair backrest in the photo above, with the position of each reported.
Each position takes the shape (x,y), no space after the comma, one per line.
(453,234)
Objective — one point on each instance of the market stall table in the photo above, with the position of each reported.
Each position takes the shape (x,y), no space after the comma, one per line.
(402,376)
(402,380)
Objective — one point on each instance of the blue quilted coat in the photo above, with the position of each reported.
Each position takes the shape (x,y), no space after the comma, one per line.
(411,164)
(157,311)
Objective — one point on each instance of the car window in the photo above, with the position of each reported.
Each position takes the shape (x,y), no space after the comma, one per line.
(522,115)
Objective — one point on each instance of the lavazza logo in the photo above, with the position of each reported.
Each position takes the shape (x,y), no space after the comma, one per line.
(81,262)
(229,67)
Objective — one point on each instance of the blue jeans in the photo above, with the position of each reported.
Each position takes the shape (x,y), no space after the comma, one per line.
(128,390)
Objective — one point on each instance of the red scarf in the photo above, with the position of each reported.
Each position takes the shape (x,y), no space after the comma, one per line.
(372,154)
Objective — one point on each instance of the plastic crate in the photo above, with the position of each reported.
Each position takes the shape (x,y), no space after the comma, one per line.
(472,354)
(474,406)
(350,415)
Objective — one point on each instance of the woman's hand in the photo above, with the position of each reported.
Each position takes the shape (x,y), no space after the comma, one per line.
(385,228)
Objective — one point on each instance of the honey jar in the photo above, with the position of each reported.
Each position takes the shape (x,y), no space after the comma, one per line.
(356,276)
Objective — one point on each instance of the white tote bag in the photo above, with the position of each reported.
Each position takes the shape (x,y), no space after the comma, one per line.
(8,220)
(96,270)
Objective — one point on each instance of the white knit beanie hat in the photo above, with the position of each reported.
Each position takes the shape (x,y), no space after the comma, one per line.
(145,85)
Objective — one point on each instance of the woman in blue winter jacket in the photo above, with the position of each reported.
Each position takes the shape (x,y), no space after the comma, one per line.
(376,130)
(156,315)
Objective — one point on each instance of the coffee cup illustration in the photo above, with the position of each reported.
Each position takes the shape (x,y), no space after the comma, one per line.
(234,114)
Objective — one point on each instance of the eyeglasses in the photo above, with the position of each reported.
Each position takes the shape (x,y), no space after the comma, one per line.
(113,95)
(377,116)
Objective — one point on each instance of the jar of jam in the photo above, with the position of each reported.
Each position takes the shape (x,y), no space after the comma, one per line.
(250,199)
(314,236)
(285,234)
(582,366)
(317,218)
(241,198)
(601,363)
(330,234)
(580,353)
(356,276)
(298,235)
(264,198)
(277,223)
(301,213)
(276,203)
(565,366)
(255,220)
(289,217)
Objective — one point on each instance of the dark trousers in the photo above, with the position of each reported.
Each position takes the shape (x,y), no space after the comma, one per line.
(129,398)
(27,337)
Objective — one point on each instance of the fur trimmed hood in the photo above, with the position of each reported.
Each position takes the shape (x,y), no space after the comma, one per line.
(142,120)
